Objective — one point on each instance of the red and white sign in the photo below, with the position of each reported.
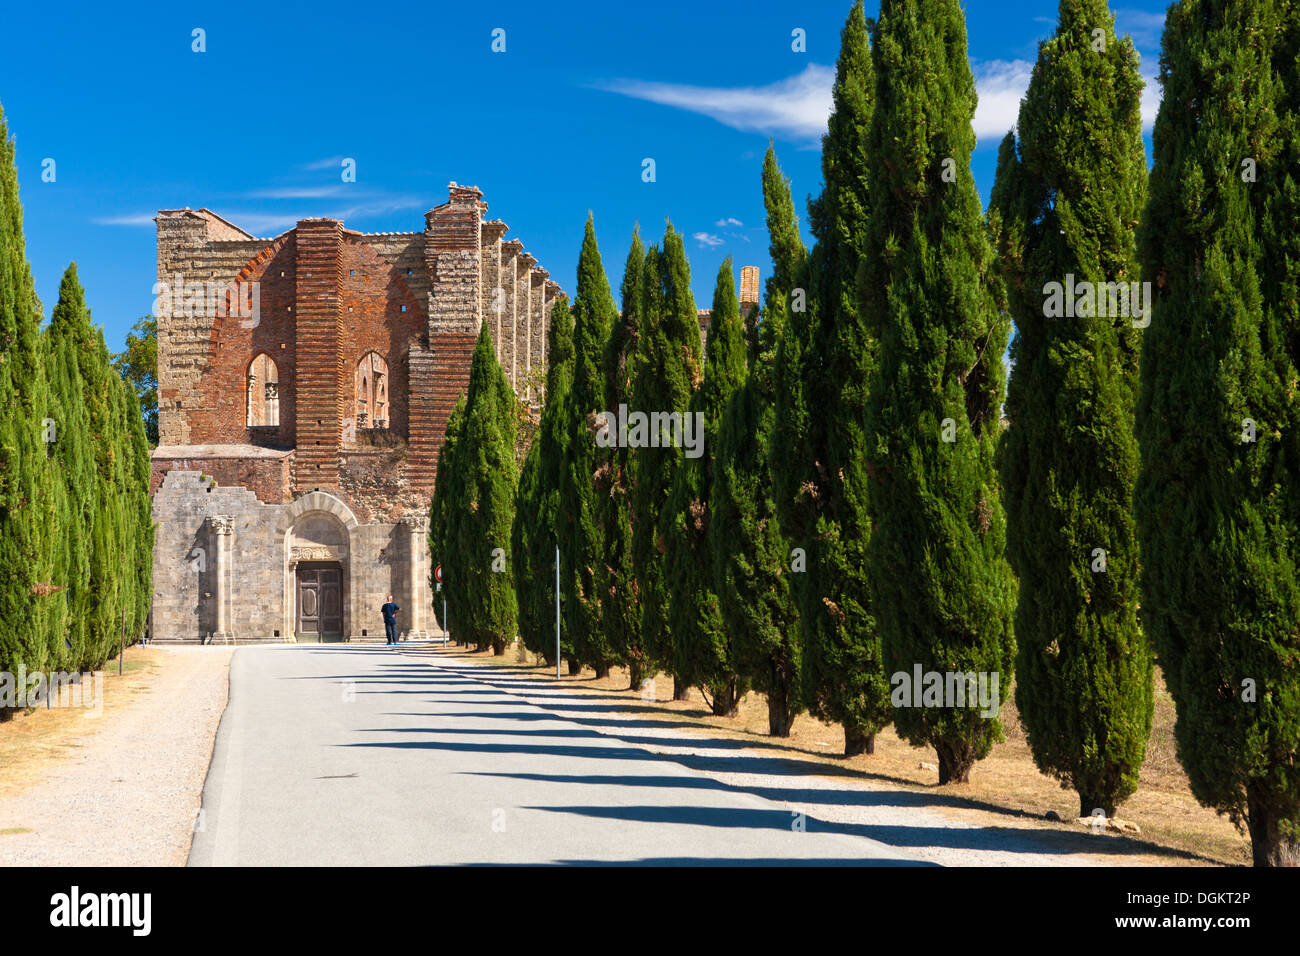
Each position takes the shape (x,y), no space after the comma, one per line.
(437,574)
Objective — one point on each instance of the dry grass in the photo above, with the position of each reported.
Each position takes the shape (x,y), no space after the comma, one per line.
(37,739)
(1176,830)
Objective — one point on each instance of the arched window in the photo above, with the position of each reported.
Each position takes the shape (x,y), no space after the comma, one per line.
(263,392)
(372,391)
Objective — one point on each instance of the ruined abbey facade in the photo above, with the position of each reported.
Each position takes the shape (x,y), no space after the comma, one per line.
(304,385)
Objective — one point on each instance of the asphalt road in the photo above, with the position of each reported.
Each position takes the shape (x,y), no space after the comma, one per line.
(375,755)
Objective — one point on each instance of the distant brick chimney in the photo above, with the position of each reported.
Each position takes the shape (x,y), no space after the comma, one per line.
(748,285)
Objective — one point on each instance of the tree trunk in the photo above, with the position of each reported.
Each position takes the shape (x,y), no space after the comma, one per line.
(955,761)
(575,667)
(680,688)
(858,741)
(498,648)
(1088,802)
(1272,841)
(602,670)
(635,675)
(779,718)
(725,699)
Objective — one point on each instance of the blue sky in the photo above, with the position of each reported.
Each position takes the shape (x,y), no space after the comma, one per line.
(256,127)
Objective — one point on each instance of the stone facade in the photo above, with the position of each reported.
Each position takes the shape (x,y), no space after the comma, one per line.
(304,388)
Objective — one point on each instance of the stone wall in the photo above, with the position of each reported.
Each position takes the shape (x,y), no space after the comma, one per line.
(251,573)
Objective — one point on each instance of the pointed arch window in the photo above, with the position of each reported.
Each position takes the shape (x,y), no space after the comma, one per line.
(372,391)
(263,392)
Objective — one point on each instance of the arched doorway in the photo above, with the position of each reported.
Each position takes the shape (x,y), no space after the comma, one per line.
(318,562)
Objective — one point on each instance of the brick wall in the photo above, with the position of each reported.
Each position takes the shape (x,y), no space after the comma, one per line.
(328,297)
(267,478)
(320,383)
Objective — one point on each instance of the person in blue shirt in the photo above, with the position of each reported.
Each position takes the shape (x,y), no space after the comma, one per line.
(389,611)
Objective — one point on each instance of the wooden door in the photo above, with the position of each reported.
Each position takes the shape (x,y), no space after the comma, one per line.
(320,603)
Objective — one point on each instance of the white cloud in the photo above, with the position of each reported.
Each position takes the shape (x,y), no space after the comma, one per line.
(729,221)
(1000,84)
(331,162)
(298,192)
(1151,95)
(797,107)
(1145,28)
(705,239)
(140,219)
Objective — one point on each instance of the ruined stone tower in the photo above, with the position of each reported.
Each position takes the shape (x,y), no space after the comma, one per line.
(304,386)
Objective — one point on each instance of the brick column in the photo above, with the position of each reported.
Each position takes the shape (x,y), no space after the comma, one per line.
(321,391)
(494,296)
(510,252)
(453,256)
(552,290)
(537,323)
(525,359)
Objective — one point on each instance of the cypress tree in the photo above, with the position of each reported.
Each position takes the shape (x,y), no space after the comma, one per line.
(827,512)
(1218,490)
(701,645)
(942,591)
(124,570)
(110,524)
(486,483)
(27,502)
(534,535)
(751,556)
(441,513)
(667,370)
(1066,203)
(580,529)
(139,473)
(77,490)
(615,577)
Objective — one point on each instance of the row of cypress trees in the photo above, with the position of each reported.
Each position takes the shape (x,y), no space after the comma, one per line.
(863,508)
(76,535)
(473,506)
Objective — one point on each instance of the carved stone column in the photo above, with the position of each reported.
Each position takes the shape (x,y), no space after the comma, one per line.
(221,527)
(418,527)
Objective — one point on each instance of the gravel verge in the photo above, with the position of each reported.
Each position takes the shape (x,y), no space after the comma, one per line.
(130,795)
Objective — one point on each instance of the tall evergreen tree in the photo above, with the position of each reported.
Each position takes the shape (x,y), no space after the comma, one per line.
(824,496)
(110,527)
(1069,459)
(942,592)
(27,503)
(139,473)
(77,489)
(580,529)
(488,478)
(533,540)
(442,517)
(701,644)
(752,559)
(615,575)
(667,370)
(1218,418)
